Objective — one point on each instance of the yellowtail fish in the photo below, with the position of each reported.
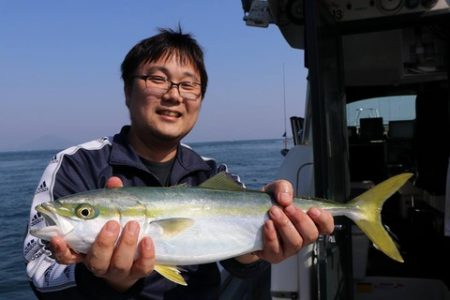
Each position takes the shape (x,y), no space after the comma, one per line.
(193,225)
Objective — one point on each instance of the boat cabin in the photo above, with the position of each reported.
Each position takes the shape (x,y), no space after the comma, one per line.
(377,105)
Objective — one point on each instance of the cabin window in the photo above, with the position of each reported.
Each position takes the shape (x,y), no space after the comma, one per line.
(381,137)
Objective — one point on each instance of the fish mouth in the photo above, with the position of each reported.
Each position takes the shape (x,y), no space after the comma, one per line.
(55,224)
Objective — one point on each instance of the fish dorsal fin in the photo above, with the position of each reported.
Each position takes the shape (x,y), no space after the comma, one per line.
(173,226)
(171,273)
(222,181)
(181,185)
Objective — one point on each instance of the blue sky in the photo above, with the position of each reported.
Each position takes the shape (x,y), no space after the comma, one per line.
(59,68)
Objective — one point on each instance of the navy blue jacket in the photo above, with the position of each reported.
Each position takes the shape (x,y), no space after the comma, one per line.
(87,167)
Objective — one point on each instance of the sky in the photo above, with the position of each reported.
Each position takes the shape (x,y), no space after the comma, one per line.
(60,68)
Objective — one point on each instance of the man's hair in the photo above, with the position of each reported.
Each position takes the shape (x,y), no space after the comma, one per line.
(164,45)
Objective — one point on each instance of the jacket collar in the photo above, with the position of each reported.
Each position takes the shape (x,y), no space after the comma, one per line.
(186,160)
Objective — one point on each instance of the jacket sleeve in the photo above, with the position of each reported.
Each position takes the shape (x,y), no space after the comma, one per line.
(49,279)
(240,270)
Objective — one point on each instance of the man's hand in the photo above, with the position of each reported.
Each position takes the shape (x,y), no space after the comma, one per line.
(289,229)
(115,262)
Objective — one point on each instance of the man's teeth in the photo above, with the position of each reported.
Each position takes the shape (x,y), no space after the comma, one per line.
(170,113)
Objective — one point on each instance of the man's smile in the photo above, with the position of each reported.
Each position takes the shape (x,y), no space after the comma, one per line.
(168,113)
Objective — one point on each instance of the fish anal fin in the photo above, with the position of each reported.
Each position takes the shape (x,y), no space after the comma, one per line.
(221,181)
(171,273)
(173,226)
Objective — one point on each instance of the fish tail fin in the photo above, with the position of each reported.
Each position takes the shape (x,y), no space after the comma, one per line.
(368,218)
(172,273)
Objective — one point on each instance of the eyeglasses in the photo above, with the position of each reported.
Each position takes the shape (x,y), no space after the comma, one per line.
(160,85)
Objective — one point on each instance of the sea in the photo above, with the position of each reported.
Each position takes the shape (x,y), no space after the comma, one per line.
(255,161)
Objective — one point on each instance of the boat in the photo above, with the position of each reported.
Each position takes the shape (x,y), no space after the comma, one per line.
(377,104)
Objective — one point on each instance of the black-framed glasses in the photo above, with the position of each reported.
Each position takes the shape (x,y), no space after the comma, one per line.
(159,85)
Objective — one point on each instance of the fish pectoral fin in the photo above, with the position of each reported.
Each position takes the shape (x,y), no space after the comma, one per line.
(173,226)
(222,181)
(172,273)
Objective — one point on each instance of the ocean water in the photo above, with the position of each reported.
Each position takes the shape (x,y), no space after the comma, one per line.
(256,162)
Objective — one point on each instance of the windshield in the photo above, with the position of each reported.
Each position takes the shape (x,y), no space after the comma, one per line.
(392,108)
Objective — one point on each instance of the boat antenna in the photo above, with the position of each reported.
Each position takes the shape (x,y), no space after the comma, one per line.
(285,150)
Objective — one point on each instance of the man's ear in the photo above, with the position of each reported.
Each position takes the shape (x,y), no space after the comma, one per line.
(127,92)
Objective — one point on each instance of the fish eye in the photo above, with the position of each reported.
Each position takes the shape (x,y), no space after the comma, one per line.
(86,211)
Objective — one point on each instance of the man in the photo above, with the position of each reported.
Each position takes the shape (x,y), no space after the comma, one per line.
(164,83)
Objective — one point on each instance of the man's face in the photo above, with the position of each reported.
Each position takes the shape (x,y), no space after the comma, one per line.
(164,117)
